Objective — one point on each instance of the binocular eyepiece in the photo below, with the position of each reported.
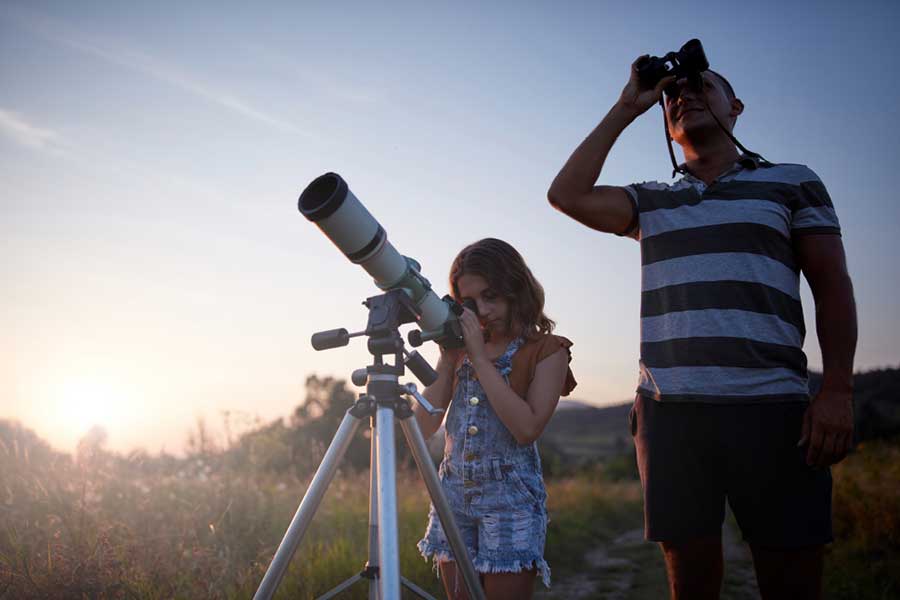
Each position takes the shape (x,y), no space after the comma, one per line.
(688,62)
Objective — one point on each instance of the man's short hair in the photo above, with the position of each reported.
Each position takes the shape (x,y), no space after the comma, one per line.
(728,89)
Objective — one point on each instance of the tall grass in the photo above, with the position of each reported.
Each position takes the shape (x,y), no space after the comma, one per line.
(864,563)
(99,525)
(100,529)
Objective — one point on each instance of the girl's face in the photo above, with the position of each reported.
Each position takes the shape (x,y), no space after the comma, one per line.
(493,309)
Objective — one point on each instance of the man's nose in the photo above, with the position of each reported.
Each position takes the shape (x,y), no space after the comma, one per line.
(687,85)
(681,86)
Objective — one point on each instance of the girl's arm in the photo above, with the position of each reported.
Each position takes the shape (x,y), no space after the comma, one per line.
(525,419)
(438,394)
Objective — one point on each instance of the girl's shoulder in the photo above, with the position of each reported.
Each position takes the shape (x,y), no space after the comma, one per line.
(543,345)
(533,351)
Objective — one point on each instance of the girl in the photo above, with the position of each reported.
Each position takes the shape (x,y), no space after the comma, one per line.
(502,389)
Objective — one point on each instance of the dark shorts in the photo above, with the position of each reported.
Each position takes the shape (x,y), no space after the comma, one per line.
(693,456)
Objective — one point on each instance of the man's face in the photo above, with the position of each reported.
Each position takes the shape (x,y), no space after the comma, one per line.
(687,114)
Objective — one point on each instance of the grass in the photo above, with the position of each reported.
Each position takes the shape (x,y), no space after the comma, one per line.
(865,563)
(99,525)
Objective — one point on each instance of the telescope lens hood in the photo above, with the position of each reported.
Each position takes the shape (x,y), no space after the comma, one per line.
(323,197)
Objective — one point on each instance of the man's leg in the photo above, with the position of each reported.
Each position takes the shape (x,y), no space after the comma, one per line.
(782,505)
(789,573)
(680,460)
(694,568)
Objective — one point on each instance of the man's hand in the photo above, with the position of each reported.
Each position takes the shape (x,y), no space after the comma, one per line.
(636,100)
(828,428)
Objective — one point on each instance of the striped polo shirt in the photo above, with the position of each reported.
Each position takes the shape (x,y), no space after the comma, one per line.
(721,317)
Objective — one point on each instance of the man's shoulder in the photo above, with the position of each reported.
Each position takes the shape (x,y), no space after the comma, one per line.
(658,186)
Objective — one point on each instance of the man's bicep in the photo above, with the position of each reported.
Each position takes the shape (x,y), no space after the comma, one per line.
(821,258)
(607,208)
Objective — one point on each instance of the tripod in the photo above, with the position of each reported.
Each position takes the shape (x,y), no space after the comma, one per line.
(383,402)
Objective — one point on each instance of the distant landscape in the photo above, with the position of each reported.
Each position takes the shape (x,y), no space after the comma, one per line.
(99,524)
(580,433)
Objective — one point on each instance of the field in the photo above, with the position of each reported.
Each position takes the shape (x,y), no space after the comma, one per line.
(99,525)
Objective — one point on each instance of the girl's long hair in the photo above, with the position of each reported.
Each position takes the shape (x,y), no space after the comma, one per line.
(505,271)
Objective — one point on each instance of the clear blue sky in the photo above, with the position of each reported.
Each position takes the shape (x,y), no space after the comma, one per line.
(155,268)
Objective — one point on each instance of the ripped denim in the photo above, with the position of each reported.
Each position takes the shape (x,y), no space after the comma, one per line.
(494,486)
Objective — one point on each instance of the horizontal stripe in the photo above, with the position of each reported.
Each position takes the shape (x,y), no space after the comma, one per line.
(814,194)
(717,212)
(811,193)
(721,352)
(720,323)
(782,193)
(650,199)
(816,231)
(820,216)
(722,381)
(736,295)
(793,186)
(731,266)
(717,239)
(779,173)
(727,400)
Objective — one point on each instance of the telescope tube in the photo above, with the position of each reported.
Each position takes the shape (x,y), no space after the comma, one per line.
(329,203)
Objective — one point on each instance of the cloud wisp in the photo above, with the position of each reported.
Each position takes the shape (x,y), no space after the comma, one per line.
(20,130)
(344,91)
(123,56)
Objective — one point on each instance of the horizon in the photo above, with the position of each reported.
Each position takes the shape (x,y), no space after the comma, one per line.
(157,270)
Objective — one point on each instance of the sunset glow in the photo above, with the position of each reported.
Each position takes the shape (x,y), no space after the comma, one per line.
(155,268)
(83,402)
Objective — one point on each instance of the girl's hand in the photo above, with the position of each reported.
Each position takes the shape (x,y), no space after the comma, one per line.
(449,359)
(473,335)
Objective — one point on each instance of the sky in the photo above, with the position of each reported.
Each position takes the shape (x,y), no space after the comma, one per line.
(155,270)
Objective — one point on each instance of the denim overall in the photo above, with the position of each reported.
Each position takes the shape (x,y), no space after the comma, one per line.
(493,485)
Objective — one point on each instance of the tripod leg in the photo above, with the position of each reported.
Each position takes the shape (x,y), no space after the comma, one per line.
(388,550)
(429,475)
(373,510)
(416,589)
(340,588)
(311,500)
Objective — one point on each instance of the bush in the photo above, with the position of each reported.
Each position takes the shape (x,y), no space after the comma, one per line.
(864,561)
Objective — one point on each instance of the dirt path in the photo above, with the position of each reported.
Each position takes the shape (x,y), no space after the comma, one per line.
(630,568)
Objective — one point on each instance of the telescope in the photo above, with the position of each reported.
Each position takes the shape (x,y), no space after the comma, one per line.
(329,203)
(407,297)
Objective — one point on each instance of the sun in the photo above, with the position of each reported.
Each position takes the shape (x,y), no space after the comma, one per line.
(82,402)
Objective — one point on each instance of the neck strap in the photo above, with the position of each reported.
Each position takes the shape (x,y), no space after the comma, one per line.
(676,168)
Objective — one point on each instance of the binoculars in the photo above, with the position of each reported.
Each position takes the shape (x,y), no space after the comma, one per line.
(687,63)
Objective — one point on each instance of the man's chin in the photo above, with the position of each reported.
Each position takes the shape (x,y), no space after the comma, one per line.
(693,130)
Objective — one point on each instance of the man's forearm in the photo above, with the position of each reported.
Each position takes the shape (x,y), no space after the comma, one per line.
(837,331)
(581,171)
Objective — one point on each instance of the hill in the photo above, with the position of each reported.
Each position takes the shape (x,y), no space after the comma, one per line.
(581,432)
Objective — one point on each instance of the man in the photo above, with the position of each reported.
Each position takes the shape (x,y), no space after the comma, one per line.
(722,409)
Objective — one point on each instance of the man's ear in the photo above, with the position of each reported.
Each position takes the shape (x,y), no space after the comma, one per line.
(737,107)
